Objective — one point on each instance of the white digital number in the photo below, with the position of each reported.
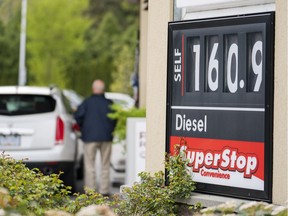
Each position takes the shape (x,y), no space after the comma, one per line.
(257,68)
(213,64)
(232,76)
(196,50)
(233,51)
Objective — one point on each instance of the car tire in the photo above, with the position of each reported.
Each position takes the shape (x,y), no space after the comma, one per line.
(80,169)
(69,179)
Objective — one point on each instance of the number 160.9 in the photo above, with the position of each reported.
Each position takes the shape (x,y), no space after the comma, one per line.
(234,79)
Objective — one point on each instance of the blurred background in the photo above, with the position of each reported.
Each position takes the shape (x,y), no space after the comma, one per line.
(69,43)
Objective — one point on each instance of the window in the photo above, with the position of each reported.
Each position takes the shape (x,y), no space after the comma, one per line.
(26,104)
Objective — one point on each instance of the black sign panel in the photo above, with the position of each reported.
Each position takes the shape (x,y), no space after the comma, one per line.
(220,102)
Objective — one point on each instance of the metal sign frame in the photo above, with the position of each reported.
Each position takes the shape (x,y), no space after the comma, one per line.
(220,102)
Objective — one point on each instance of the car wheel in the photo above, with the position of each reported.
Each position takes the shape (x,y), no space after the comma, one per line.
(80,170)
(69,178)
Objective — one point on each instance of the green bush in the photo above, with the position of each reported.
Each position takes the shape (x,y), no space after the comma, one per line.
(90,197)
(30,190)
(121,116)
(152,197)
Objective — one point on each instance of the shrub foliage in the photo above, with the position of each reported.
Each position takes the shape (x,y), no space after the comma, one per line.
(121,116)
(29,192)
(152,197)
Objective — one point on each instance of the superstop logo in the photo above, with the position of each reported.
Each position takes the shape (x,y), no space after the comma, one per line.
(224,162)
(226,159)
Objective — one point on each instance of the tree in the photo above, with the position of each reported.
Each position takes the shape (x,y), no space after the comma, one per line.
(124,64)
(54,33)
(9,9)
(70,43)
(9,45)
(110,48)
(116,32)
(96,60)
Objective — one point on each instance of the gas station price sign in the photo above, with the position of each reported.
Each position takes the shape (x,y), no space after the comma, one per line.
(220,102)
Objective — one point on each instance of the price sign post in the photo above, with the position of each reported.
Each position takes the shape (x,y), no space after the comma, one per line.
(220,102)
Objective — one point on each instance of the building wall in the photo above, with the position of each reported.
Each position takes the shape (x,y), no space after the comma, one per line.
(143,54)
(160,13)
(280,161)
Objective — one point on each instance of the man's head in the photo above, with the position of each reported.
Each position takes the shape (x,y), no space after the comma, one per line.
(98,87)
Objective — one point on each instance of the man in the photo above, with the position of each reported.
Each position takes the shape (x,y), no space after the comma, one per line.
(96,129)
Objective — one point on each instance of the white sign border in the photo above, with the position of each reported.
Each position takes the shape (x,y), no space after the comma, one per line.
(194,9)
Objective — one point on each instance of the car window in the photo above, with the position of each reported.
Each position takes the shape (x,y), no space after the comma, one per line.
(26,104)
(120,102)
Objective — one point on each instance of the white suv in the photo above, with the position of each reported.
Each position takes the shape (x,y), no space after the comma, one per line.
(37,123)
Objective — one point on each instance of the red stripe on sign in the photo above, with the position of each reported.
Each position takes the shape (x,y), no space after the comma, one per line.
(227,155)
(183,41)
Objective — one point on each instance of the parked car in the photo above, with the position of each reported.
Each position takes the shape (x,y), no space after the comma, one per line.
(118,160)
(122,99)
(119,98)
(74,98)
(37,123)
